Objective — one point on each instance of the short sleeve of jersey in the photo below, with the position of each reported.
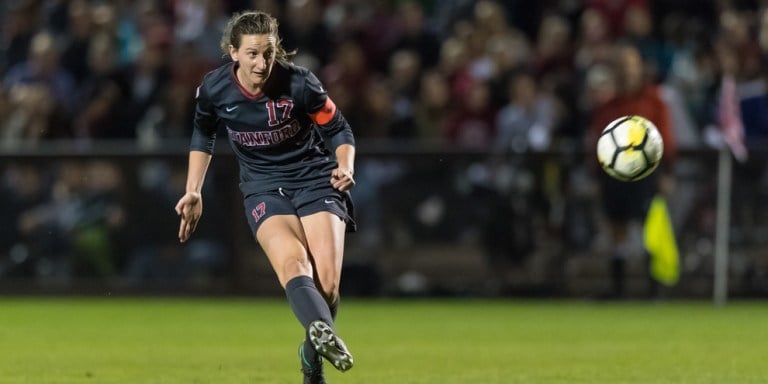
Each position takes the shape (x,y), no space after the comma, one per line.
(205,122)
(315,95)
(324,113)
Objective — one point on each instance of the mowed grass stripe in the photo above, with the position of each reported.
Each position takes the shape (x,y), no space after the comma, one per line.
(225,340)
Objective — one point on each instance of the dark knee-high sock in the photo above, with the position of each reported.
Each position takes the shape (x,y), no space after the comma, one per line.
(308,305)
(306,301)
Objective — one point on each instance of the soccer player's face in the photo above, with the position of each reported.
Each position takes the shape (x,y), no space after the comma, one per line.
(256,55)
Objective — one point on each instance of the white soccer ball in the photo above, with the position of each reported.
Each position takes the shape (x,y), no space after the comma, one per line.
(630,148)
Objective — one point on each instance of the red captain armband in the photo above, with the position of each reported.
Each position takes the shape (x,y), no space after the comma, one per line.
(324,114)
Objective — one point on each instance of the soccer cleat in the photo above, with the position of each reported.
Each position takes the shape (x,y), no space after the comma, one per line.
(312,370)
(330,346)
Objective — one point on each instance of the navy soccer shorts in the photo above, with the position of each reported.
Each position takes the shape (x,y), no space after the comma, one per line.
(299,202)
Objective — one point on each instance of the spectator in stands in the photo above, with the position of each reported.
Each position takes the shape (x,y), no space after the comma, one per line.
(527,122)
(615,12)
(740,56)
(45,228)
(553,52)
(594,42)
(625,204)
(43,67)
(471,124)
(349,70)
(554,68)
(403,75)
(22,21)
(507,51)
(657,53)
(454,65)
(74,56)
(42,93)
(22,187)
(147,80)
(415,34)
(433,105)
(693,70)
(102,92)
(378,106)
(304,28)
(196,25)
(99,221)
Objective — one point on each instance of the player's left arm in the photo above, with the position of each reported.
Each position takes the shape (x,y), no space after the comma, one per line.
(335,129)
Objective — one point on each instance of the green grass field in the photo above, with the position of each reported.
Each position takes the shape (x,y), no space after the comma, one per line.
(197,341)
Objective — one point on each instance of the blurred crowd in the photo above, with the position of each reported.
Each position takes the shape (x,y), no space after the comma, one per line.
(506,76)
(516,73)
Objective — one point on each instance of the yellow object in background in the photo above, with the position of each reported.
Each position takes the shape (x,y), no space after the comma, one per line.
(661,244)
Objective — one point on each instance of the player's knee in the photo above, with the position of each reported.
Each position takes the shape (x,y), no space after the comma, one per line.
(297,265)
(329,286)
(290,262)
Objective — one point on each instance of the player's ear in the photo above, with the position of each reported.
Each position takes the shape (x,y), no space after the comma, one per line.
(233,52)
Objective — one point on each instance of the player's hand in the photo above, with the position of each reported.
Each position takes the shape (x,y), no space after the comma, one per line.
(342,179)
(190,208)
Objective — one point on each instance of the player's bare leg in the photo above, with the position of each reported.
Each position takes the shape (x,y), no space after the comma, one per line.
(325,238)
(282,239)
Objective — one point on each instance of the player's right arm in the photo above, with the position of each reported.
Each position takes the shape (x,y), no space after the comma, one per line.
(190,206)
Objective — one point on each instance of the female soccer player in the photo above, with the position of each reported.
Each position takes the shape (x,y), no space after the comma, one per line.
(296,154)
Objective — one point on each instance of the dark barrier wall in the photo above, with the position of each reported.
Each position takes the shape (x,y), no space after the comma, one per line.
(100,220)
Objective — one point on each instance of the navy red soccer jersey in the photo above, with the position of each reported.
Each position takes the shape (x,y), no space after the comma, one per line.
(283,136)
